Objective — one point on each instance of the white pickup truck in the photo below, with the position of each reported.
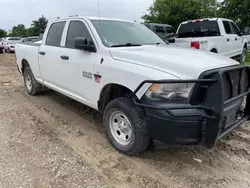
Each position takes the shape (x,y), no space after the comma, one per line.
(145,89)
(216,35)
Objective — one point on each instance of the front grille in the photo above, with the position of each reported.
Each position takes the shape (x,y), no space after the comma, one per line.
(234,82)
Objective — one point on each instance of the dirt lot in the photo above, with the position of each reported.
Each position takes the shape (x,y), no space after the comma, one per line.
(53,141)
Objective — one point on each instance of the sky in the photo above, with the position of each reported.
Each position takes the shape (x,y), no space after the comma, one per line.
(14,12)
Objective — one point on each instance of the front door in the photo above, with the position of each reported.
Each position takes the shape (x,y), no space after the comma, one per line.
(78,65)
(237,39)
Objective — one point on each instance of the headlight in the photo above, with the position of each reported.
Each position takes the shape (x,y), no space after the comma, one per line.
(170,92)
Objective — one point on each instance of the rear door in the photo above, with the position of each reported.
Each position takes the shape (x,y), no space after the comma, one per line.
(49,56)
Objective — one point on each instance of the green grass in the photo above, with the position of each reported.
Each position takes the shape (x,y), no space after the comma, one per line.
(248,59)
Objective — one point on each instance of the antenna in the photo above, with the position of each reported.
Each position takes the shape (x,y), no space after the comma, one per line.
(98,7)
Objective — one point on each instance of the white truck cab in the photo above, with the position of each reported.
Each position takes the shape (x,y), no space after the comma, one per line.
(145,89)
(217,35)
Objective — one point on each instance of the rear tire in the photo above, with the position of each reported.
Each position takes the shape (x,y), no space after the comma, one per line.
(126,126)
(31,85)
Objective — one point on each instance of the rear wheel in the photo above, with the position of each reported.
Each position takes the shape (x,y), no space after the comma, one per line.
(31,85)
(126,126)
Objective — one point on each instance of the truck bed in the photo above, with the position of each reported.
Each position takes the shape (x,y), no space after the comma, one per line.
(29,53)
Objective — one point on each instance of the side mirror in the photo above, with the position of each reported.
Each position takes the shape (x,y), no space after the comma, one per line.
(172,40)
(241,33)
(84,44)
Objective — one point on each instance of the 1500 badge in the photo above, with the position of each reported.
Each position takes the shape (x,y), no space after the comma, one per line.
(88,75)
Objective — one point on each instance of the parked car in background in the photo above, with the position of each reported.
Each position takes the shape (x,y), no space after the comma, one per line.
(247,37)
(9,43)
(1,45)
(145,89)
(164,31)
(30,39)
(215,35)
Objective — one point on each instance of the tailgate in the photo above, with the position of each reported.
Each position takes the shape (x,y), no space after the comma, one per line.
(183,42)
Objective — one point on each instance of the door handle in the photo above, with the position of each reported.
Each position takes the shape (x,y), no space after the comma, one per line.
(236,39)
(228,40)
(64,57)
(42,53)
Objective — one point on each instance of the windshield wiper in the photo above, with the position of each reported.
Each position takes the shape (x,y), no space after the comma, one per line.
(126,45)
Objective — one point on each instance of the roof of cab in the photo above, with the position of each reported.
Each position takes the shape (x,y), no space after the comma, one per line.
(91,18)
(157,24)
(206,19)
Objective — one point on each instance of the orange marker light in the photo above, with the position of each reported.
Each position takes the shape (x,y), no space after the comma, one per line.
(155,87)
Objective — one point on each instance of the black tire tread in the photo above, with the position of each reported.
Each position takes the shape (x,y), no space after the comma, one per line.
(138,119)
(36,87)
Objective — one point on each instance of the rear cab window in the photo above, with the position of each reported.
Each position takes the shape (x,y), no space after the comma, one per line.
(203,28)
(54,35)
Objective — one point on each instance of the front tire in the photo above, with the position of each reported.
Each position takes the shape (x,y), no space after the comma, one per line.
(31,85)
(126,126)
(244,54)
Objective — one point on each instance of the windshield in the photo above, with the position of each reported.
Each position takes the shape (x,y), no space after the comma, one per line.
(14,41)
(199,29)
(115,33)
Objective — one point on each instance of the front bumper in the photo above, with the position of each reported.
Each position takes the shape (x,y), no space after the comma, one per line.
(201,121)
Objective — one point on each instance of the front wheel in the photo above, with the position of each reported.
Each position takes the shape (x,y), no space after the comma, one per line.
(244,55)
(126,126)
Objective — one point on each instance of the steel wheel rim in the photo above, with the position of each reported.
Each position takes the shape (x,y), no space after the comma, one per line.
(120,128)
(28,82)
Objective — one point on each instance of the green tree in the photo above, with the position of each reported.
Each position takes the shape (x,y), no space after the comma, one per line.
(38,26)
(237,10)
(175,12)
(3,33)
(18,31)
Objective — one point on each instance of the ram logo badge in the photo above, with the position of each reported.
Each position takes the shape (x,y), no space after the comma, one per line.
(87,75)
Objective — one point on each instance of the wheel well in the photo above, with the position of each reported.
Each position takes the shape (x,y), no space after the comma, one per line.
(245,45)
(111,92)
(214,50)
(24,64)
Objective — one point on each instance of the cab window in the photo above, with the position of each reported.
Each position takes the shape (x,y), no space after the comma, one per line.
(76,29)
(54,36)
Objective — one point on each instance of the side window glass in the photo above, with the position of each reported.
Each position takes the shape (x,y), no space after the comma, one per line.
(159,29)
(76,29)
(169,30)
(227,27)
(235,29)
(54,36)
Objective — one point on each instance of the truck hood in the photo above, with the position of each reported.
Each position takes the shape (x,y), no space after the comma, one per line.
(179,62)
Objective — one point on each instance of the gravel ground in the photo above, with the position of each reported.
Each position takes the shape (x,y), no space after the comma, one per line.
(53,141)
